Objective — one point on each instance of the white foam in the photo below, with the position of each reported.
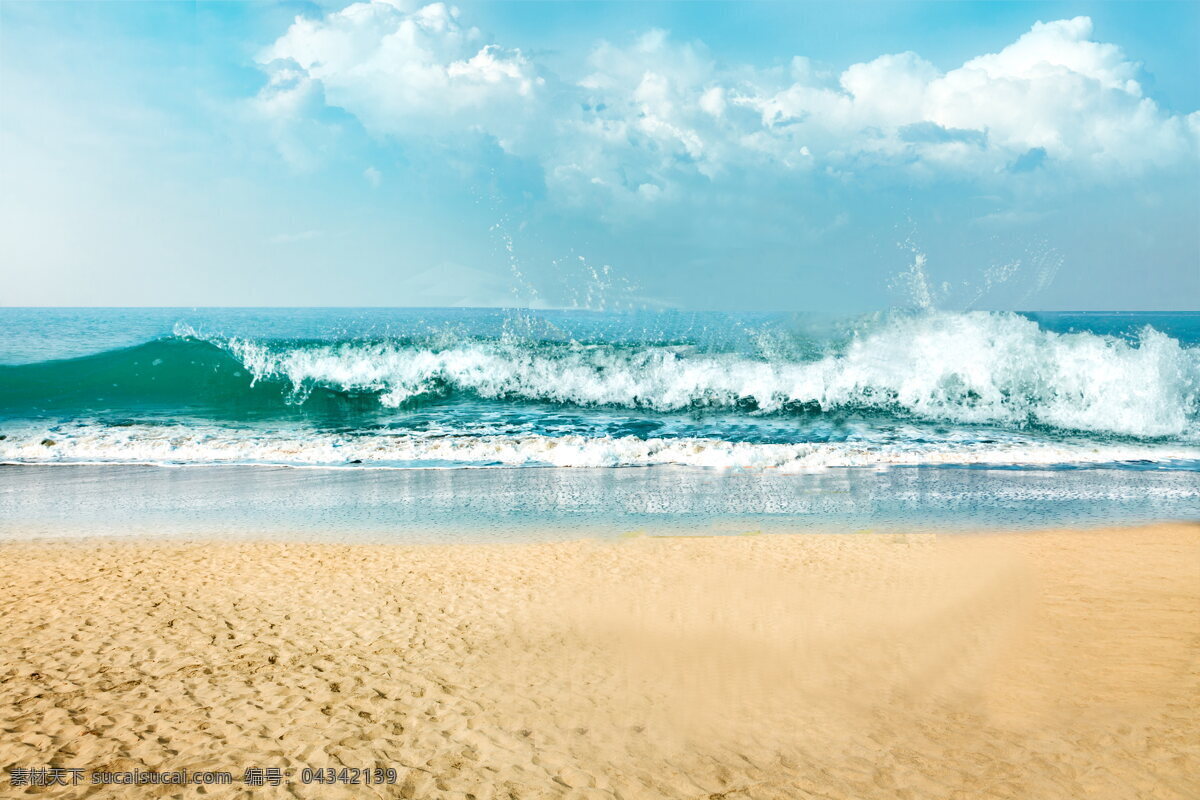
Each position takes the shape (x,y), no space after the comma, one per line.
(976,367)
(191,444)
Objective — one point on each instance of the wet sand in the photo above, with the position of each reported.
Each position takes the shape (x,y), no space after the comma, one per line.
(1059,664)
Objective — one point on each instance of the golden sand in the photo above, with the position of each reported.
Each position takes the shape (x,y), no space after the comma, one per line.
(1049,665)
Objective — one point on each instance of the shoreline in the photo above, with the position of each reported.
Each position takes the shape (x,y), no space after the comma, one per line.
(1058,663)
(592,533)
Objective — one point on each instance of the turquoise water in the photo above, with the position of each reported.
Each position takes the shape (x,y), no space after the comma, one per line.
(485,388)
(425,423)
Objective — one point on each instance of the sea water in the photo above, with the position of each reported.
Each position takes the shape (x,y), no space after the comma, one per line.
(576,419)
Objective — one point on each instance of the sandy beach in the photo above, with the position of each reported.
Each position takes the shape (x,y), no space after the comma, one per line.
(1060,664)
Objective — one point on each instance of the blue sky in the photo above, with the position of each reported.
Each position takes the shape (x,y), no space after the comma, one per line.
(791,156)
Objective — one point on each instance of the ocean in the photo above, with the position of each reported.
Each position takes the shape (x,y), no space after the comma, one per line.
(619,407)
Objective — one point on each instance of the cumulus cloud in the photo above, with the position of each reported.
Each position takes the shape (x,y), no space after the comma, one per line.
(645,117)
(1057,90)
(405,70)
(1053,89)
(644,122)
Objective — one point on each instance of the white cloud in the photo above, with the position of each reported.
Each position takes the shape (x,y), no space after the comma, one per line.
(290,105)
(645,116)
(643,123)
(1056,89)
(408,71)
(1053,89)
(1058,48)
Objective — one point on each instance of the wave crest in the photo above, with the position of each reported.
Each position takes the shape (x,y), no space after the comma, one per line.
(976,367)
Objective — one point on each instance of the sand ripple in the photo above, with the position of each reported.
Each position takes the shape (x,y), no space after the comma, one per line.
(1057,665)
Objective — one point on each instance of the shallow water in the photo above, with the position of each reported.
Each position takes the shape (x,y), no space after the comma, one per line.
(542,504)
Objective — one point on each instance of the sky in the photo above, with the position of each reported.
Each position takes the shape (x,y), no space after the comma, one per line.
(705,155)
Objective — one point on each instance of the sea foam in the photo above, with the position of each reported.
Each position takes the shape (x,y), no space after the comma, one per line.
(978,367)
(191,444)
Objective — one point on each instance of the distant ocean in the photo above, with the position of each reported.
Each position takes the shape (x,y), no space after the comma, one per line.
(752,394)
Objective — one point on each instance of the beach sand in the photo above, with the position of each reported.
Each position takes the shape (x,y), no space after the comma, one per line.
(1025,665)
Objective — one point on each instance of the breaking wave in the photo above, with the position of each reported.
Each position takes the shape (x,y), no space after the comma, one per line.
(977,368)
(968,368)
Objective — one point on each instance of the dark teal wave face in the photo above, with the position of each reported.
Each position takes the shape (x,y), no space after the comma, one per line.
(166,373)
(163,377)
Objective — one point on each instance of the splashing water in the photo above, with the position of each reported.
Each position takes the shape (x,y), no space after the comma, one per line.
(476,388)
